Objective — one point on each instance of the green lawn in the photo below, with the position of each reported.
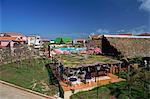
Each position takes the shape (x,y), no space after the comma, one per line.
(104,92)
(75,60)
(137,86)
(30,74)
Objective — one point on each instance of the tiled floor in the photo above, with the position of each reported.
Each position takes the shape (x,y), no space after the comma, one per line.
(113,78)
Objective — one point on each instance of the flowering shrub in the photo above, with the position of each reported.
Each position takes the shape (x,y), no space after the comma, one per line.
(83,51)
(94,51)
(90,51)
(97,51)
(66,52)
(57,51)
(73,52)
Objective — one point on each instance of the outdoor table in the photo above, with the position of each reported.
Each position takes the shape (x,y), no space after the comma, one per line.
(72,79)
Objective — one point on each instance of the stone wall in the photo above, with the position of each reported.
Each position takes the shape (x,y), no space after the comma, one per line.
(16,54)
(94,43)
(129,47)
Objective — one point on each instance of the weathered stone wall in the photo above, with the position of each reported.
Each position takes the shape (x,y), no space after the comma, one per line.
(94,43)
(131,47)
(17,54)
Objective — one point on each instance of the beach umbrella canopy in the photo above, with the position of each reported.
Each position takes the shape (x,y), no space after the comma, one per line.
(57,40)
(63,40)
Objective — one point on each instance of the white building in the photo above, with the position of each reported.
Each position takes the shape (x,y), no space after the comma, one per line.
(35,40)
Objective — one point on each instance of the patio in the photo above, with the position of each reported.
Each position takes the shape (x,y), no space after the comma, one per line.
(80,72)
(91,84)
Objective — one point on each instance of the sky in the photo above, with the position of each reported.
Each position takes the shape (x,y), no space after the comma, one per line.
(74,18)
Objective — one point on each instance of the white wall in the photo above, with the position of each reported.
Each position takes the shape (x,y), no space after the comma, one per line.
(35,41)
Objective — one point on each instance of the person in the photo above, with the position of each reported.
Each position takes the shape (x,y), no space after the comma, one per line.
(87,76)
(145,63)
(98,68)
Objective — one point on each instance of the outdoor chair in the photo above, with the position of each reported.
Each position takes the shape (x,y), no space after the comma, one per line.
(101,73)
(93,74)
(65,77)
(83,80)
(69,75)
(89,81)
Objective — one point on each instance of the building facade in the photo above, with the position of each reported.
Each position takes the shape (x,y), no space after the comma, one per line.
(22,38)
(35,40)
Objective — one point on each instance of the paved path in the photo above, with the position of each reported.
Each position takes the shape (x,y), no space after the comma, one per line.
(9,92)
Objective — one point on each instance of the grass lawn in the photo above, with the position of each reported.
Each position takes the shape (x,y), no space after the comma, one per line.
(137,87)
(122,75)
(104,92)
(30,74)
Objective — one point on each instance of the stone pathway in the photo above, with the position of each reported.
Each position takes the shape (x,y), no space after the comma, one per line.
(9,92)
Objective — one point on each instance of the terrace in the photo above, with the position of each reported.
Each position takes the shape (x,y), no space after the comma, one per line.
(83,71)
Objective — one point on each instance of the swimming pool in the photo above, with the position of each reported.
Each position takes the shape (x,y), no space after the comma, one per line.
(72,49)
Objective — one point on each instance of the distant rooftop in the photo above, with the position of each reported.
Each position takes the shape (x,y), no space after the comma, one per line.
(144,34)
(8,38)
(126,36)
(13,33)
(121,35)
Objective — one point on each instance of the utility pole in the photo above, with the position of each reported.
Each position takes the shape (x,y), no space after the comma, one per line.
(129,83)
(49,51)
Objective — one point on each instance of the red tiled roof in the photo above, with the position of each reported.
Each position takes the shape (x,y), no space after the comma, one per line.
(125,34)
(80,40)
(144,34)
(8,38)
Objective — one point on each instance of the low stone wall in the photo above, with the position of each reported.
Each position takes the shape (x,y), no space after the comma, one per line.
(16,55)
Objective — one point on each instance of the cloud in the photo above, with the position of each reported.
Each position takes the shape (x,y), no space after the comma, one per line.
(102,31)
(145,5)
(138,30)
(121,31)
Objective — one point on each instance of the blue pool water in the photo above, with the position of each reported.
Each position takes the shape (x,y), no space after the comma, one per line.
(72,49)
